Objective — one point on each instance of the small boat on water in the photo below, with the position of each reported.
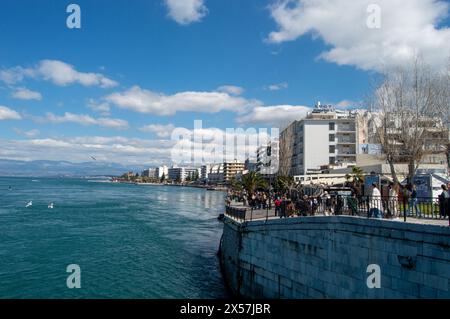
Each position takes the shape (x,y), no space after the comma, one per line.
(30,203)
(50,206)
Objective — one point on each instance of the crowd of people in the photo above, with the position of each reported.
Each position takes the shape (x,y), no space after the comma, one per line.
(297,203)
(391,203)
(407,196)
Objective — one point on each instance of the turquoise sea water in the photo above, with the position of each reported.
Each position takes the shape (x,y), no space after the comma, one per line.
(130,241)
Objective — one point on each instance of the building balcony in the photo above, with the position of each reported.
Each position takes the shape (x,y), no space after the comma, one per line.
(340,132)
(345,141)
(346,154)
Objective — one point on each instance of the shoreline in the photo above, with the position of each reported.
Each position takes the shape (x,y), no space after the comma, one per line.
(206,187)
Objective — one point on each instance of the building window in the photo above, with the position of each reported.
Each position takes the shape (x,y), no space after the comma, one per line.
(332,126)
(332,137)
(332,160)
(332,149)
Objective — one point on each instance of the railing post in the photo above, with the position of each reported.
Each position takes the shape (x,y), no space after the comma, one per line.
(267,214)
(367,204)
(404,209)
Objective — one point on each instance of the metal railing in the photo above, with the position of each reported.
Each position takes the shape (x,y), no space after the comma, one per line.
(237,213)
(365,206)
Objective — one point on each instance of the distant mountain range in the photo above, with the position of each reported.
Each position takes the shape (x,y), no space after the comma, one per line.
(63,168)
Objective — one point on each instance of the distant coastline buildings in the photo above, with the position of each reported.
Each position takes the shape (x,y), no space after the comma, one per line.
(161,172)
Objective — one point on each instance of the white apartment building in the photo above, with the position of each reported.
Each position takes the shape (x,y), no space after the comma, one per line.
(150,172)
(231,169)
(177,174)
(267,162)
(162,171)
(205,170)
(325,137)
(157,172)
(183,173)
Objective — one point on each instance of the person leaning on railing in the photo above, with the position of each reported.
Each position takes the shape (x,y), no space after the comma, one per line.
(392,202)
(444,202)
(277,203)
(375,202)
(413,202)
(352,203)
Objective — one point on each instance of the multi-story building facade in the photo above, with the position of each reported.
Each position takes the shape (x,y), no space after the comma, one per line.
(193,173)
(156,173)
(267,162)
(325,137)
(231,169)
(162,171)
(204,172)
(250,165)
(216,175)
(182,174)
(149,173)
(177,174)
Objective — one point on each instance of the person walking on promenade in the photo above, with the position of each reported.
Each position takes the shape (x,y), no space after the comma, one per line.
(444,198)
(328,204)
(393,201)
(353,204)
(277,206)
(413,202)
(375,202)
(264,201)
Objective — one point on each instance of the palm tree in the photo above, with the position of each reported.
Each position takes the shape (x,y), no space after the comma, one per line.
(236,185)
(356,177)
(252,182)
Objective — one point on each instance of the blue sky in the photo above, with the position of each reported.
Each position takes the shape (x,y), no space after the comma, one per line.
(163,70)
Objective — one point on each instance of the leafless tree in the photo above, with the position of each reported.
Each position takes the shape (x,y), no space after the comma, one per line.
(411,102)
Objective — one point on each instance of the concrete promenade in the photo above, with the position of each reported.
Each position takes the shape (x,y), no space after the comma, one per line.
(262,214)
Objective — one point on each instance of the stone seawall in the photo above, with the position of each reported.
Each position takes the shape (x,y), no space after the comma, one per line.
(327,257)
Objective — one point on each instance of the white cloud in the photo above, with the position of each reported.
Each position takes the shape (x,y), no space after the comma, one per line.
(278,115)
(408,28)
(62,74)
(231,89)
(159,129)
(57,72)
(83,119)
(8,114)
(277,87)
(186,12)
(212,145)
(103,108)
(347,104)
(26,94)
(29,134)
(126,151)
(145,101)
(116,149)
(15,75)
